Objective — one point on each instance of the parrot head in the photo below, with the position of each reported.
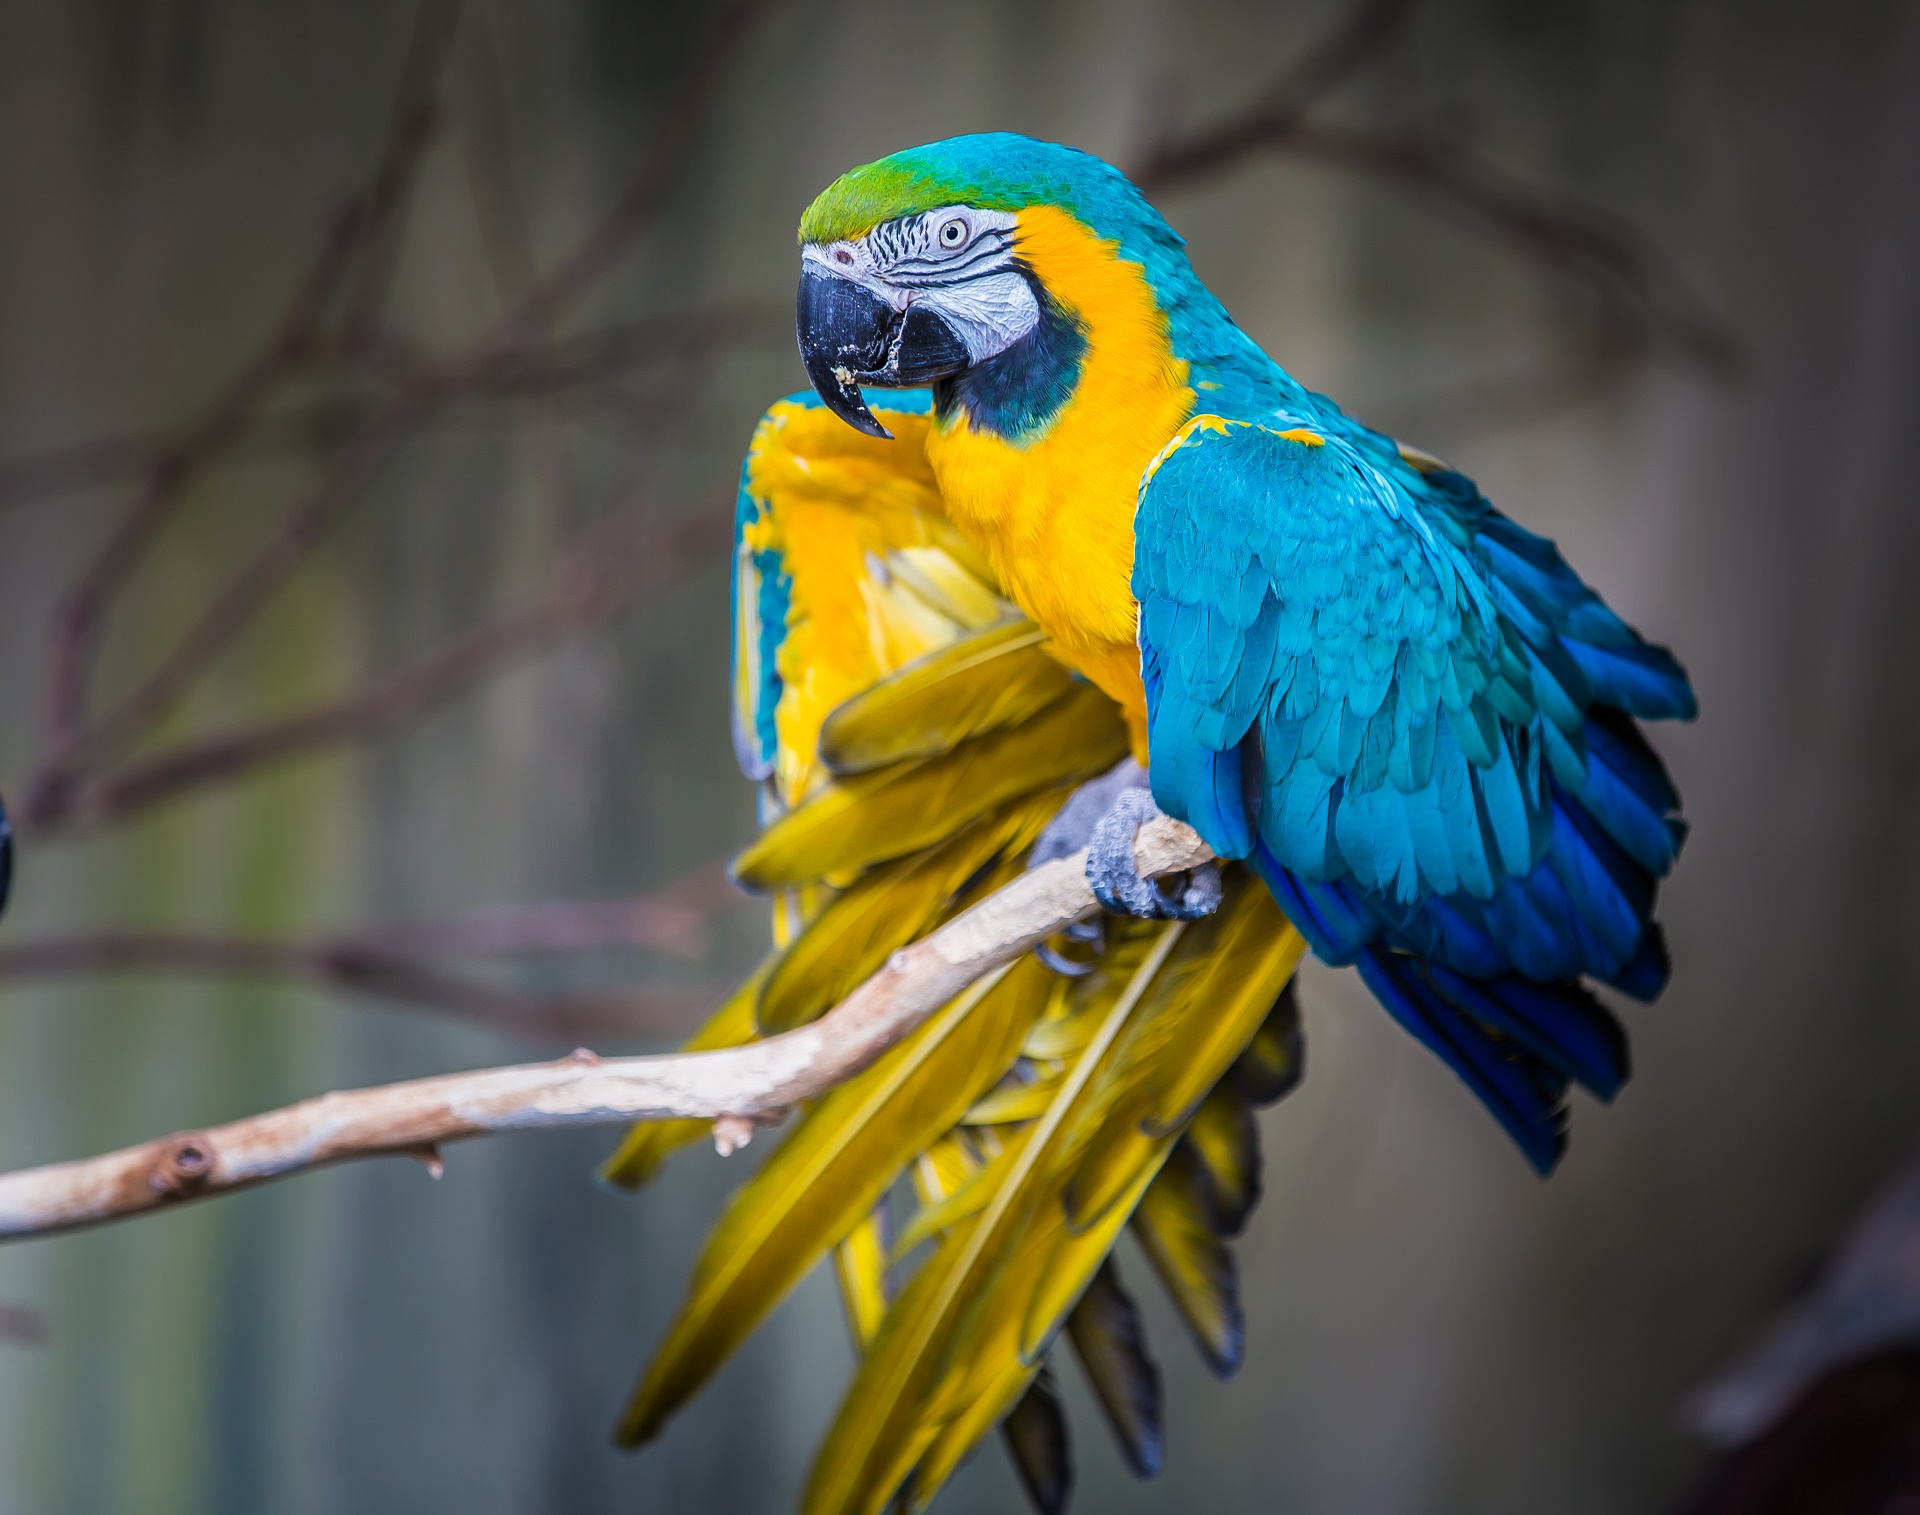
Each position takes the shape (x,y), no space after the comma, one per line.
(910,267)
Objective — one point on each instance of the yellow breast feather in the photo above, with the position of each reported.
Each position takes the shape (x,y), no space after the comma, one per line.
(1054,514)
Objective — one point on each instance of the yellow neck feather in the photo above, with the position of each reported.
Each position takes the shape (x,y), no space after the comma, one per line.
(1055,515)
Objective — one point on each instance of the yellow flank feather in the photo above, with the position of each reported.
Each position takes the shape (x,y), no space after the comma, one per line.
(829,1173)
(983,682)
(888,907)
(882,1428)
(878,574)
(1054,514)
(857,822)
(860,1268)
(648,1144)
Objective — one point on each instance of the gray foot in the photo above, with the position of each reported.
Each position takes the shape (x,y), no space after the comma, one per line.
(1116,881)
(1103,816)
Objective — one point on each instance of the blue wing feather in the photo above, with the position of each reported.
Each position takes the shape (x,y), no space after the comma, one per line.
(1418,722)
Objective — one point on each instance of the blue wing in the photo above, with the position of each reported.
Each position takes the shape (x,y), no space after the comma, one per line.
(1414,718)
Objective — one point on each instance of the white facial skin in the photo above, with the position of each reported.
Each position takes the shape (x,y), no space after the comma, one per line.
(957,262)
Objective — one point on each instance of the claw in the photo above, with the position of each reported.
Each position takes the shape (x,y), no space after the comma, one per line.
(1093,932)
(1060,963)
(1103,816)
(1115,877)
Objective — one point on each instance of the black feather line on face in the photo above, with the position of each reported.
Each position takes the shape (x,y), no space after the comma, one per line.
(1017,394)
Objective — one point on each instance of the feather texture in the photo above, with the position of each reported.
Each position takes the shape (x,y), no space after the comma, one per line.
(1036,1436)
(890,906)
(1176,1231)
(860,1268)
(980,683)
(828,1174)
(872,818)
(1110,1341)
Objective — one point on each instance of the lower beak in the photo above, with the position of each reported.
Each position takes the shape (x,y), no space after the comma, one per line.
(849,336)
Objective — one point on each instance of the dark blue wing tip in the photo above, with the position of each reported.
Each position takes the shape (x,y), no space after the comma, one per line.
(1521,1090)
(1645,974)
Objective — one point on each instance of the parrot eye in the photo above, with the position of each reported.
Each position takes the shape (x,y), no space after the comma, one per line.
(953,233)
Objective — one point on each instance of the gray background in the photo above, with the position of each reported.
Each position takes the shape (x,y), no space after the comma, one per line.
(1431,1328)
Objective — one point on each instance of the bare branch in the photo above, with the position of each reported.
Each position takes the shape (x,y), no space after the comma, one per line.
(420,392)
(601,576)
(82,610)
(644,196)
(537,371)
(23,1326)
(1362,37)
(758,1082)
(1642,298)
(1641,302)
(386,962)
(367,970)
(671,919)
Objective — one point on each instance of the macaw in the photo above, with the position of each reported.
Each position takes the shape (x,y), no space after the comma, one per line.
(1051,548)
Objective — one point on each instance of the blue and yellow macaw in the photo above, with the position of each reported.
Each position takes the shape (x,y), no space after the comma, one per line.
(1099,557)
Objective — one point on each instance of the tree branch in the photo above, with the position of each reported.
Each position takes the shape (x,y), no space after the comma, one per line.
(386,963)
(1641,301)
(758,1082)
(73,744)
(602,574)
(537,372)
(82,611)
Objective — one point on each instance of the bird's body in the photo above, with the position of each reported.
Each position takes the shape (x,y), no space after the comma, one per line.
(1402,722)
(1053,508)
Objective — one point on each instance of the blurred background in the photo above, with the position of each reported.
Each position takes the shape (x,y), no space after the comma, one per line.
(373,378)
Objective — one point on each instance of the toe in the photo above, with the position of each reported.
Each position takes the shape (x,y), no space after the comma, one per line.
(1111,871)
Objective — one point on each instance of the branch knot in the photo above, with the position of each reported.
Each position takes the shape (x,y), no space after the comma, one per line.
(183,1166)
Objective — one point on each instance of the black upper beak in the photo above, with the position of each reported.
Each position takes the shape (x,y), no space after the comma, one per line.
(849,336)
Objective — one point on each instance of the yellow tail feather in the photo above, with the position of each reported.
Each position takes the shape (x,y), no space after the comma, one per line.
(1225,1138)
(860,1267)
(1193,1262)
(829,1173)
(1200,1014)
(882,1427)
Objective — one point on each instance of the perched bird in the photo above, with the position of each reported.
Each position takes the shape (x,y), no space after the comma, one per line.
(1101,558)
